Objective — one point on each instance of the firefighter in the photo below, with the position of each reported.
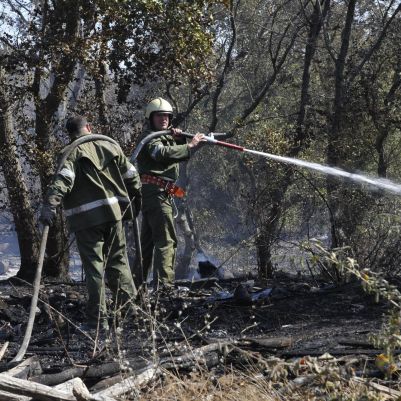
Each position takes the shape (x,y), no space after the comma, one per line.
(96,185)
(158,168)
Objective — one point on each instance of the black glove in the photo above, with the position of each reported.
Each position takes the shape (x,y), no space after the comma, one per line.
(137,203)
(48,214)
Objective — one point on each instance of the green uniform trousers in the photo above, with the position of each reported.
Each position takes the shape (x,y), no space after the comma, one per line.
(158,240)
(103,254)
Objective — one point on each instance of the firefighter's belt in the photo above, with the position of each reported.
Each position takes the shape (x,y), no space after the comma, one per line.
(168,186)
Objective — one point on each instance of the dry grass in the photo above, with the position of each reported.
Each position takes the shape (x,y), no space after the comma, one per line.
(235,385)
(232,386)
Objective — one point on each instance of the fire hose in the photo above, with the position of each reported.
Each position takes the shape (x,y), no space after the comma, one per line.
(209,138)
(38,274)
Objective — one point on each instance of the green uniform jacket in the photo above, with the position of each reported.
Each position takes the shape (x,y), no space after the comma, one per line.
(96,184)
(160,157)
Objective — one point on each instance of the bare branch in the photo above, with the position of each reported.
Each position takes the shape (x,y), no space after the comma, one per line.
(269,81)
(355,72)
(327,39)
(227,64)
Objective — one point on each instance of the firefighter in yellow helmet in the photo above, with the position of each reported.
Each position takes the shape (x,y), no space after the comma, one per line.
(158,168)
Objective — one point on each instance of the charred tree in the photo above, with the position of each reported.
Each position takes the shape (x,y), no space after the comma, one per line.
(335,142)
(268,232)
(46,107)
(20,203)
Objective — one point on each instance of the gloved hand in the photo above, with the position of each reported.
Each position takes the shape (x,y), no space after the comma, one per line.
(48,214)
(138,203)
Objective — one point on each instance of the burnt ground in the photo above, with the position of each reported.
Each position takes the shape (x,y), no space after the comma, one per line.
(316,319)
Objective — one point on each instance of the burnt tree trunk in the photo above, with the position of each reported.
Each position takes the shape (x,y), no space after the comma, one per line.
(101,98)
(46,107)
(269,227)
(20,205)
(382,116)
(344,218)
(268,231)
(340,227)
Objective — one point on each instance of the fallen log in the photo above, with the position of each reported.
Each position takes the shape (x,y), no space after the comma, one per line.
(78,389)
(91,372)
(106,383)
(214,351)
(208,360)
(44,350)
(208,356)
(260,342)
(222,347)
(138,364)
(24,390)
(131,384)
(272,342)
(25,368)
(38,391)
(81,393)
(68,387)
(4,396)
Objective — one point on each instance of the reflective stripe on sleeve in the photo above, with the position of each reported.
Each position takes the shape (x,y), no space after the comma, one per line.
(66,172)
(130,172)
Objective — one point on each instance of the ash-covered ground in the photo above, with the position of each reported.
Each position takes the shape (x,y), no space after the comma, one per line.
(290,316)
(315,319)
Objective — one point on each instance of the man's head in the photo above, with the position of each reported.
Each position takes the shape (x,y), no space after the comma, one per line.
(77,125)
(159,113)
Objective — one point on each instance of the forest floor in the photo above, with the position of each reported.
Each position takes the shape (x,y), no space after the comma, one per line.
(272,331)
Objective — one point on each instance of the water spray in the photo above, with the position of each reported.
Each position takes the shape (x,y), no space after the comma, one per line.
(381,183)
(334,171)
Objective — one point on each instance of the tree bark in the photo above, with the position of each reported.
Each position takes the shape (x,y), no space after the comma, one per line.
(269,228)
(339,227)
(26,368)
(381,116)
(56,264)
(35,390)
(20,204)
(131,384)
(100,97)
(74,390)
(268,231)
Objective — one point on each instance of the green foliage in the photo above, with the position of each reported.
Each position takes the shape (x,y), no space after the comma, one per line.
(148,40)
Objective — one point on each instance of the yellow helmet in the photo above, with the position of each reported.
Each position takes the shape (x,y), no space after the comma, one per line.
(159,105)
